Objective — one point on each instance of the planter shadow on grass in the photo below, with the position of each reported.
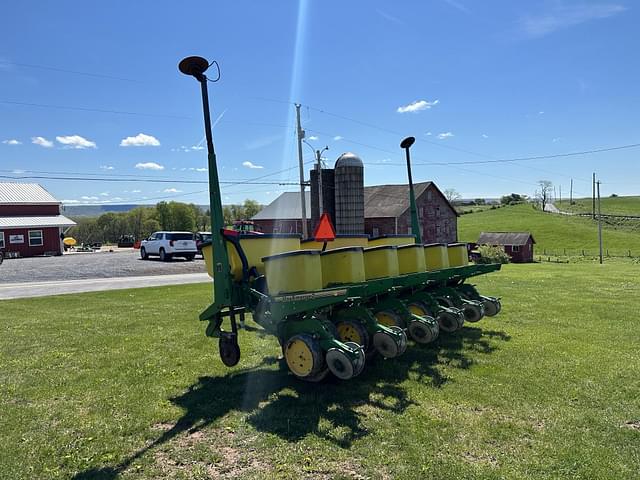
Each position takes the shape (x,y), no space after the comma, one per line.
(279,404)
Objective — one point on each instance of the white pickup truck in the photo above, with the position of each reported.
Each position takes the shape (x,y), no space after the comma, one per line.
(168,245)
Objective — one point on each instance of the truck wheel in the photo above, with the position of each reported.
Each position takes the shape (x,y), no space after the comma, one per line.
(143,254)
(164,257)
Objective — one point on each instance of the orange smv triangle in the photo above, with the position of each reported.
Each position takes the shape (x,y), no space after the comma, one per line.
(324,231)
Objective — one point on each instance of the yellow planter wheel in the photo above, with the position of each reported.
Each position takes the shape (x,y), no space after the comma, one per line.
(303,356)
(418,309)
(352,331)
(389,319)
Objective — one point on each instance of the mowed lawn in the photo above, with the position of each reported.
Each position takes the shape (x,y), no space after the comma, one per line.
(125,385)
(551,232)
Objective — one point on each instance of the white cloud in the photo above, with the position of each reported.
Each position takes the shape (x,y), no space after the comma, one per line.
(116,199)
(18,171)
(540,112)
(417,106)
(444,135)
(248,164)
(337,137)
(104,194)
(429,134)
(76,141)
(565,16)
(136,191)
(85,197)
(313,138)
(484,135)
(140,140)
(555,140)
(12,141)
(149,166)
(106,167)
(43,142)
(196,147)
(171,190)
(204,169)
(66,202)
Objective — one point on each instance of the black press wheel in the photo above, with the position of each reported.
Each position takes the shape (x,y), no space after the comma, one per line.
(229,349)
(473,312)
(448,322)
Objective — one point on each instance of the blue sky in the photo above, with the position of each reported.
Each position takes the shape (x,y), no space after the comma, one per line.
(471,82)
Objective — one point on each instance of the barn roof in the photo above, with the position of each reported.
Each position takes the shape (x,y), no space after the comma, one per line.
(379,201)
(286,206)
(505,238)
(393,200)
(29,222)
(25,194)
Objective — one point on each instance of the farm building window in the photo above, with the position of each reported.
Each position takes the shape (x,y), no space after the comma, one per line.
(35,238)
(376,231)
(1,239)
(429,195)
(515,248)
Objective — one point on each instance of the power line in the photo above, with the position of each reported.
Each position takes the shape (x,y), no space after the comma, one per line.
(76,72)
(133,180)
(98,110)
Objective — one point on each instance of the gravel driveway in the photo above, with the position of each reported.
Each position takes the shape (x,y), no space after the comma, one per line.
(81,266)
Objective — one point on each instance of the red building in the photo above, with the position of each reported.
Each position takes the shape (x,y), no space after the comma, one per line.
(30,221)
(518,245)
(386,212)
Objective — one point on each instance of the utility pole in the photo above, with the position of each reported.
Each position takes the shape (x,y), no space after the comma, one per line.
(571,193)
(599,222)
(319,167)
(560,187)
(593,197)
(303,202)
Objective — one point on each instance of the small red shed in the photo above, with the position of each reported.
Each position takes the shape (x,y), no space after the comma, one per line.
(30,221)
(518,245)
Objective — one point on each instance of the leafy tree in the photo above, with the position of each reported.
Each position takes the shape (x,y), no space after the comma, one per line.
(182,217)
(492,254)
(251,208)
(479,201)
(227,214)
(513,199)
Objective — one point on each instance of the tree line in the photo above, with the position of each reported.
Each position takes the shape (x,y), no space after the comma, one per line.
(142,221)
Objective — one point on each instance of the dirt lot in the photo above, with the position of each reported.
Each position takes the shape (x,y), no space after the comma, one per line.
(92,265)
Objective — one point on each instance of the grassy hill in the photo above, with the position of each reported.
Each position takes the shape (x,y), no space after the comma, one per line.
(609,205)
(551,232)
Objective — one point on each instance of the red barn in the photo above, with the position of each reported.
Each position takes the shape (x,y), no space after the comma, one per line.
(518,245)
(30,221)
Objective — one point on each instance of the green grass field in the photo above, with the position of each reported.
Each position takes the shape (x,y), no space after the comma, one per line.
(609,205)
(125,385)
(551,232)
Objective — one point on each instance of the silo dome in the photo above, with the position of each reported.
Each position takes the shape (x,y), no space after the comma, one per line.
(349,159)
(349,194)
